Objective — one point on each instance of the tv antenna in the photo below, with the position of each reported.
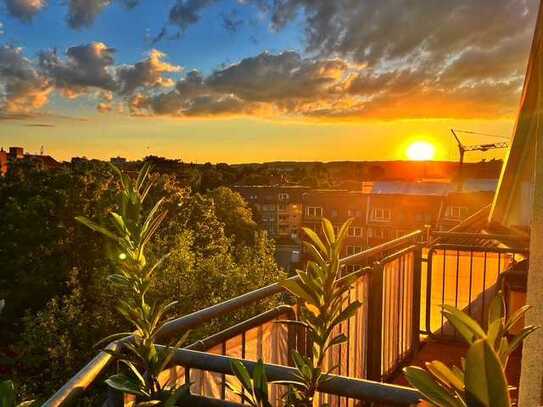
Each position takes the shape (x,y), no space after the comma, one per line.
(462,149)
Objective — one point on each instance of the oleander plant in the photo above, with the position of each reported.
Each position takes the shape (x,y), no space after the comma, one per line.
(480,380)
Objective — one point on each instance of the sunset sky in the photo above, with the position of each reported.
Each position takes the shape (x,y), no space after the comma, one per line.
(259,80)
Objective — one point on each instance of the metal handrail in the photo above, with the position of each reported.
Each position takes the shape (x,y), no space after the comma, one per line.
(88,374)
(343,386)
(482,236)
(357,257)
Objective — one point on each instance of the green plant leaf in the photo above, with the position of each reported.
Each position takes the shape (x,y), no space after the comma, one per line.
(429,389)
(484,377)
(177,396)
(464,324)
(134,371)
(111,338)
(97,228)
(297,290)
(495,330)
(316,240)
(496,309)
(517,316)
(126,384)
(242,374)
(445,375)
(517,340)
(314,252)
(328,230)
(7,393)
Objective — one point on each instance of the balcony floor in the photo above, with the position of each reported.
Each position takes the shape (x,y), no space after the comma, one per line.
(450,353)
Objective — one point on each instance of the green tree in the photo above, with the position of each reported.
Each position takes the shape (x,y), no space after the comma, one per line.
(56,336)
(234,213)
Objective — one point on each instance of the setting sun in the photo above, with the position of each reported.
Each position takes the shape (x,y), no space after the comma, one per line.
(421,151)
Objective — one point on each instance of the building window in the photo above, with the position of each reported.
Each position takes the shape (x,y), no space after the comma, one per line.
(370,232)
(457,212)
(355,231)
(313,211)
(283,196)
(282,207)
(380,233)
(381,214)
(353,250)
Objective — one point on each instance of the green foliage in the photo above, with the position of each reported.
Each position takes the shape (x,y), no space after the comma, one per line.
(323,292)
(254,389)
(132,231)
(55,282)
(39,238)
(234,213)
(8,394)
(481,381)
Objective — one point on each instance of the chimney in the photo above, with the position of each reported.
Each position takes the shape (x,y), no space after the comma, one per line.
(16,153)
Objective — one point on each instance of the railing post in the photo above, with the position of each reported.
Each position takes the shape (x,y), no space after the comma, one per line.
(375,321)
(417,284)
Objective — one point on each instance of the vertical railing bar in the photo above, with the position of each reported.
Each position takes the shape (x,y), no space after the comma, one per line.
(417,288)
(348,336)
(484,288)
(389,278)
(429,278)
(470,280)
(374,320)
(457,287)
(400,310)
(223,376)
(243,351)
(443,287)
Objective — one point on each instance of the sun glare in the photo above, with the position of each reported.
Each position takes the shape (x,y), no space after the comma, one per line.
(421,151)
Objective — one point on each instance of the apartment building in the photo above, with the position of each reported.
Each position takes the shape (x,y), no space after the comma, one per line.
(458,206)
(278,209)
(394,215)
(380,213)
(338,206)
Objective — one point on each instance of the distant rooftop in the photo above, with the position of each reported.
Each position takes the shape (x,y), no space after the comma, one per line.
(428,187)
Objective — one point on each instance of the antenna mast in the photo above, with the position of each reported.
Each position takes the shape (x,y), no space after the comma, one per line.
(462,148)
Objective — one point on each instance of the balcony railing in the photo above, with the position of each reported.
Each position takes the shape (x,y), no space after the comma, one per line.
(400,284)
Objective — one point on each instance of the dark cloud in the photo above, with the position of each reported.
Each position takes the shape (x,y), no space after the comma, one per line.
(82,13)
(85,66)
(22,87)
(24,9)
(269,77)
(187,12)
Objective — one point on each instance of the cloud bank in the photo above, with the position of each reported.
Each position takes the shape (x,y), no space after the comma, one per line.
(372,59)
